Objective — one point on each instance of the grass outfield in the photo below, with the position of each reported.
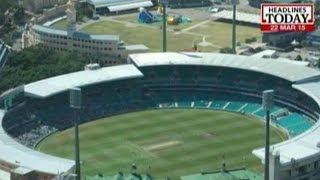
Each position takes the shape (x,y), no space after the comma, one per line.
(132,32)
(220,33)
(173,142)
(143,34)
(217,33)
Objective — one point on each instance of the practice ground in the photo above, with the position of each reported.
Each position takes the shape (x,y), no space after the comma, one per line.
(216,34)
(173,142)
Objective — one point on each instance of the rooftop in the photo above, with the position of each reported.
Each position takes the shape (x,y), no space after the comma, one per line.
(105,37)
(57,84)
(119,3)
(133,5)
(271,54)
(101,37)
(285,70)
(265,53)
(136,47)
(240,16)
(77,34)
(50,30)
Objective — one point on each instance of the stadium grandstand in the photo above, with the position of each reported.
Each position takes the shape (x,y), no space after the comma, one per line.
(167,80)
(107,6)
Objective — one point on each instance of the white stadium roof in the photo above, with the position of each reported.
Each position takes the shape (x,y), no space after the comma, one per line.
(54,85)
(271,54)
(240,16)
(117,5)
(304,145)
(281,69)
(17,154)
(134,5)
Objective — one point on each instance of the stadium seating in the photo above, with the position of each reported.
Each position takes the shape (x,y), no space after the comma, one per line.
(295,123)
(218,104)
(30,122)
(251,107)
(162,87)
(235,106)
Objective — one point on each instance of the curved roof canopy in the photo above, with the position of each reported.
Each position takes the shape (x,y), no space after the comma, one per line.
(54,85)
(288,71)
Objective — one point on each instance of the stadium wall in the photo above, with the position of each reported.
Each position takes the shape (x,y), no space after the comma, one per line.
(307,168)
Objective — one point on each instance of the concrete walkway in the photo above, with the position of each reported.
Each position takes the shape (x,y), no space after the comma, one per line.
(196,25)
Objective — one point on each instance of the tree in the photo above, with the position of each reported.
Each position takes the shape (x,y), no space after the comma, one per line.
(19,17)
(250,40)
(316,23)
(226,50)
(35,63)
(2,18)
(298,58)
(317,7)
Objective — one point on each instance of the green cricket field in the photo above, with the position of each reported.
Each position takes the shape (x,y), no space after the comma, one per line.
(173,142)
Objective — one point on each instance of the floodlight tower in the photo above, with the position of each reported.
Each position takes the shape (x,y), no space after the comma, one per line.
(234,2)
(164,4)
(267,103)
(75,104)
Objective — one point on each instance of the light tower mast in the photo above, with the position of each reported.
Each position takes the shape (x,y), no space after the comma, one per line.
(164,4)
(267,103)
(234,2)
(75,104)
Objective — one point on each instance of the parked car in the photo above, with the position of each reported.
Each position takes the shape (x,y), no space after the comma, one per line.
(215,9)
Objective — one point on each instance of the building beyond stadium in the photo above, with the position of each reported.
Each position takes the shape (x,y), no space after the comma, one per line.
(108,47)
(185,80)
(114,6)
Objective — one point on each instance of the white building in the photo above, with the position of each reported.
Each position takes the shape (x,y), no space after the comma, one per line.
(102,45)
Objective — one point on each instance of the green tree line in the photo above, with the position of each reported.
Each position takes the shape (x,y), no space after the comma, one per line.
(35,63)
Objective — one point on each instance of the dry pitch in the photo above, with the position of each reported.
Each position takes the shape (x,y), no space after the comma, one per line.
(173,142)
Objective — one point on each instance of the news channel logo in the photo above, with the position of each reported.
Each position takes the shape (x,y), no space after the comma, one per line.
(280,17)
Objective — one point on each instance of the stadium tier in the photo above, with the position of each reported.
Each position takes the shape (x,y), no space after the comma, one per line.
(167,80)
